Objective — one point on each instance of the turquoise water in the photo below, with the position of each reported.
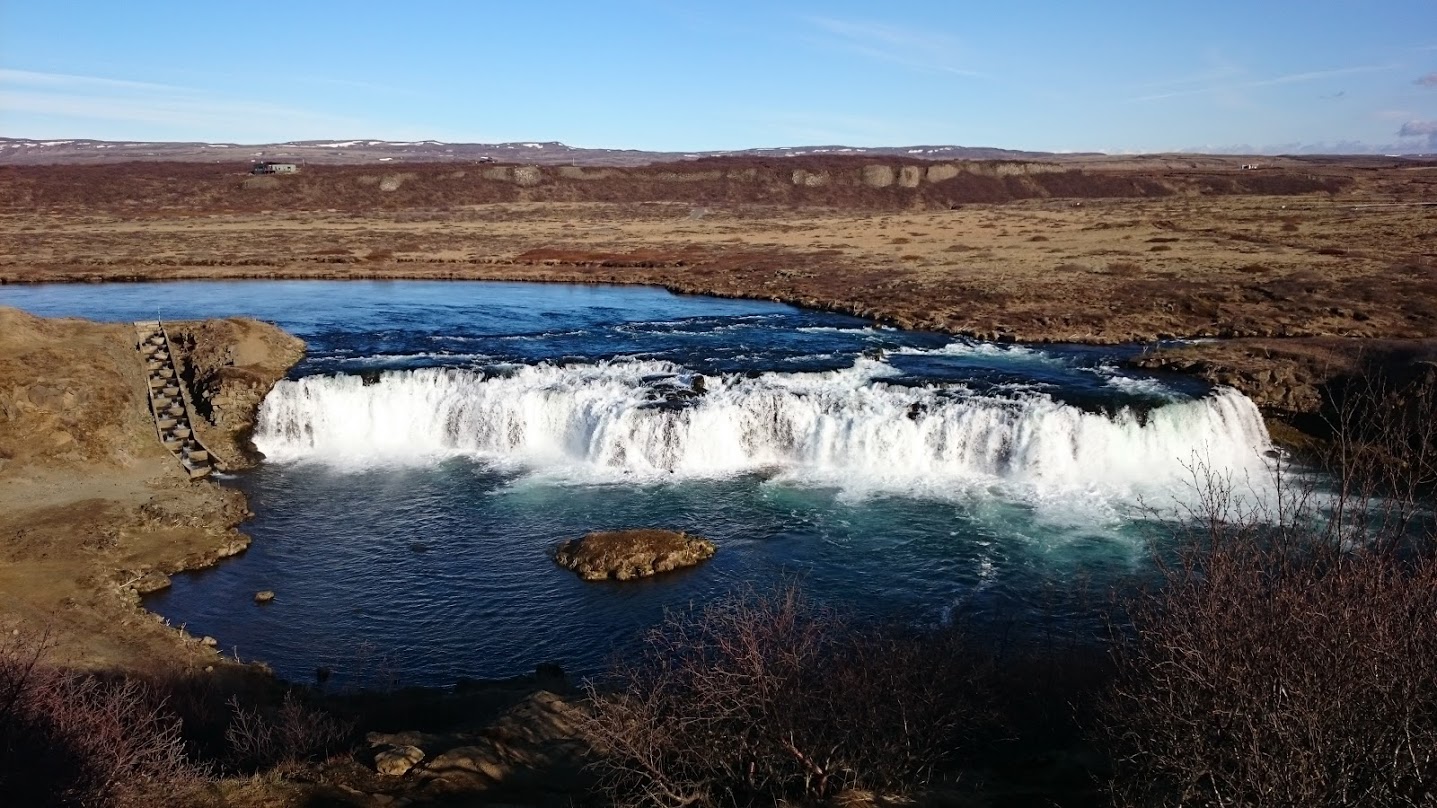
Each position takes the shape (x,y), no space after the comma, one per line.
(441,436)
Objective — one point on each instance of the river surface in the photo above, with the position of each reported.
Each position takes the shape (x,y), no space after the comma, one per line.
(440,437)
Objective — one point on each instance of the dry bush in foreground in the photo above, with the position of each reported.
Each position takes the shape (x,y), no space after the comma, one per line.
(70,738)
(1288,657)
(772,697)
(79,739)
(292,732)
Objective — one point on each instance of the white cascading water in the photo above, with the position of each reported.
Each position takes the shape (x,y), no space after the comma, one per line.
(845,428)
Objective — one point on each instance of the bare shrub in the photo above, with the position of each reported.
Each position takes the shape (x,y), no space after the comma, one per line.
(1287,658)
(79,739)
(290,733)
(1383,450)
(764,697)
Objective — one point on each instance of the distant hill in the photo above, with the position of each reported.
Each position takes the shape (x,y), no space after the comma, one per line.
(24,151)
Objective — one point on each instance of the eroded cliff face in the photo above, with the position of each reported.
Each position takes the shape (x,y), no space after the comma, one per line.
(230,365)
(841,182)
(1282,378)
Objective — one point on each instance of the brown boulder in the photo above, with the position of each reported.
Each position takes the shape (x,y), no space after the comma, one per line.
(396,761)
(627,554)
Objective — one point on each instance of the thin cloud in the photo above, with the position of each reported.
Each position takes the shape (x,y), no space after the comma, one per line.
(145,106)
(1429,80)
(1207,77)
(1290,78)
(190,113)
(31,78)
(354,84)
(907,47)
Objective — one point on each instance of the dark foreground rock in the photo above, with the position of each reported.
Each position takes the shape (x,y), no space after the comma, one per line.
(627,554)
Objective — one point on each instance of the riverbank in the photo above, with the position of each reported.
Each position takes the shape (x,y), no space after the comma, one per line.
(94,513)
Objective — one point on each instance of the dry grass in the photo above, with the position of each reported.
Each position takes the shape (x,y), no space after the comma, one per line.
(628,542)
(985,284)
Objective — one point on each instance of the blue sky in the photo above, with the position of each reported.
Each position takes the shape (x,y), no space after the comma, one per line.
(660,74)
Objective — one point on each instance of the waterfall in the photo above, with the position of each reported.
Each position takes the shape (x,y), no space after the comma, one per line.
(643,421)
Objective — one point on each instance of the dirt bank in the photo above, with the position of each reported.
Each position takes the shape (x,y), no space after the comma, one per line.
(93,511)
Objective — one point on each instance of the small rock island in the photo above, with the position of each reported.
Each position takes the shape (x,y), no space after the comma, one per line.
(627,554)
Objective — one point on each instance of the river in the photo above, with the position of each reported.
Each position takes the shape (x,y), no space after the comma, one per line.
(439,437)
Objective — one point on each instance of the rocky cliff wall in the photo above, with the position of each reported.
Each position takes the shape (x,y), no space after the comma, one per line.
(832,182)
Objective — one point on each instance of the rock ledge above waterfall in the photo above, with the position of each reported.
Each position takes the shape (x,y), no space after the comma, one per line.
(627,554)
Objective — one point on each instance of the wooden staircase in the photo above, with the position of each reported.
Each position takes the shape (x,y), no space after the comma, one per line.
(170,402)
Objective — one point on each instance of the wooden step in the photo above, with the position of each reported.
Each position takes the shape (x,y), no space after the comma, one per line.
(168,405)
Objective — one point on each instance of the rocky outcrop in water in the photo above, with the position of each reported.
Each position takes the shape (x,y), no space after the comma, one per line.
(626,554)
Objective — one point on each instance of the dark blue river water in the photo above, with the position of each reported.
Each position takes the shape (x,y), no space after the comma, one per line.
(441,436)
